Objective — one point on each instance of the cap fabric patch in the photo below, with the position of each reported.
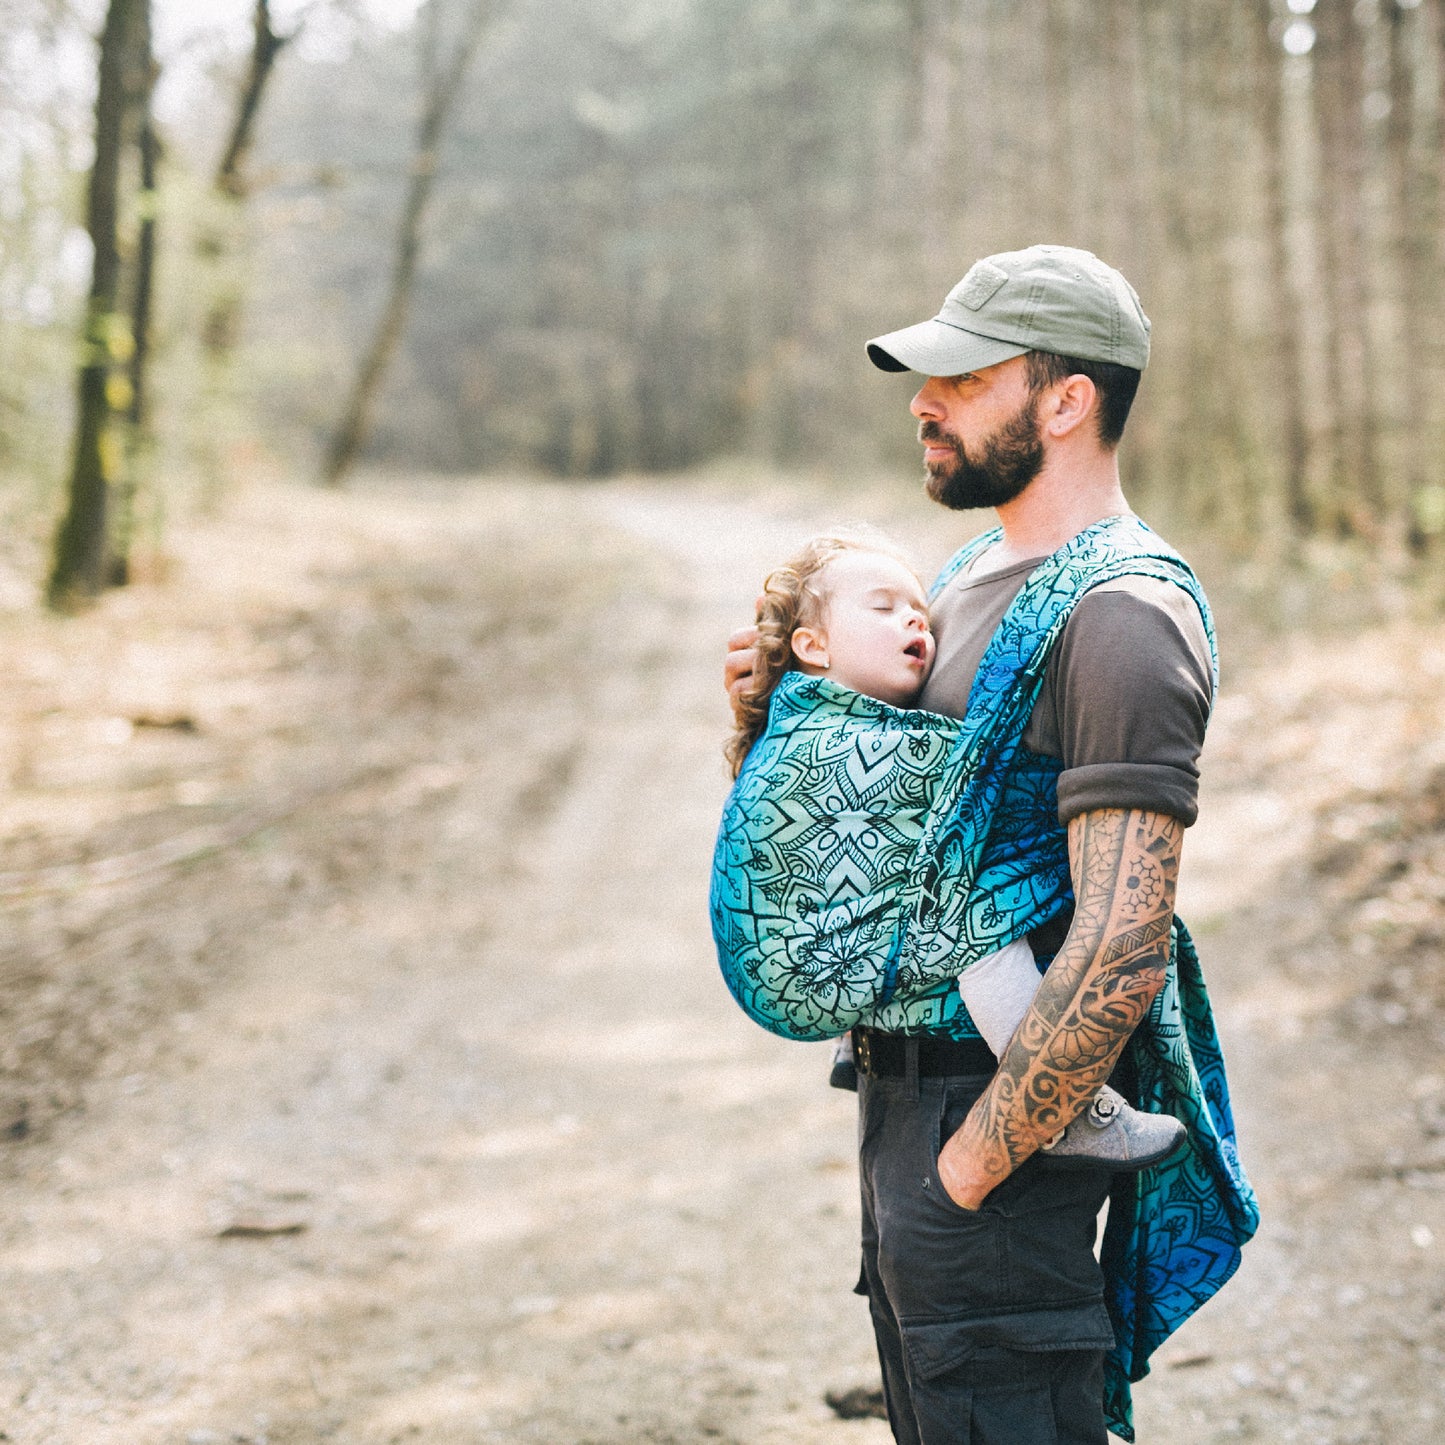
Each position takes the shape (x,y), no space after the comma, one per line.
(983,279)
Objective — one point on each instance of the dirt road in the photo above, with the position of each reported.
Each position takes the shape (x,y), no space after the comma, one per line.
(366,1069)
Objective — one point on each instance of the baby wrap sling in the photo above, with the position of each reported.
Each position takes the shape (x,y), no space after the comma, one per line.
(868,854)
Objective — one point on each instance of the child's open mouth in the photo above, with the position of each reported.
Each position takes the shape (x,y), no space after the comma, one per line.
(917,649)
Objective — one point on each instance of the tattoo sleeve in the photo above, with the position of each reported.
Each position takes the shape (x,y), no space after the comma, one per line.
(1125,864)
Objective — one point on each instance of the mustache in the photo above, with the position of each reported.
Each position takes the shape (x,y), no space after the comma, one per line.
(931,431)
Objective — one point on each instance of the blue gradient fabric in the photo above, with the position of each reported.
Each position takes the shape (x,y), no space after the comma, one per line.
(868,854)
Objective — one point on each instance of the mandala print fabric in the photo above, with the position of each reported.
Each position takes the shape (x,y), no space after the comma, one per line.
(868,854)
(815,849)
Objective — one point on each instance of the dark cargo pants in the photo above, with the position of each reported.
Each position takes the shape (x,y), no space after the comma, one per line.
(991,1326)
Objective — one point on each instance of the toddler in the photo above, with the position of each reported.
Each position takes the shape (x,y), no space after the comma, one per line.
(847,609)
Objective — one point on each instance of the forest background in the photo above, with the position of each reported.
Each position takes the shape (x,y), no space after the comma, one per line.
(399,404)
(653,235)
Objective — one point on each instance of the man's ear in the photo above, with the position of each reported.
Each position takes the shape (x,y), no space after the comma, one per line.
(810,647)
(1074,401)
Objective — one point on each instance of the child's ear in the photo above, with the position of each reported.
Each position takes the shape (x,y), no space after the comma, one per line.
(810,647)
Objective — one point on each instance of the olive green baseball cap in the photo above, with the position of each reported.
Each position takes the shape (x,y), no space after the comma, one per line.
(1044,298)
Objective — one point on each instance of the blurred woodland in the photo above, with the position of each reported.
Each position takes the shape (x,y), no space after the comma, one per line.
(602,236)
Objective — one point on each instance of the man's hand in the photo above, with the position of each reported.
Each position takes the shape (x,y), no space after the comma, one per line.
(739,662)
(1125,865)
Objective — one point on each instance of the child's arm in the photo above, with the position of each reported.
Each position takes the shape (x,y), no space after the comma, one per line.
(1125,865)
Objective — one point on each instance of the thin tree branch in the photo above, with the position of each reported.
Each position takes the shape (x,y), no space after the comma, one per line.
(437,106)
(266,46)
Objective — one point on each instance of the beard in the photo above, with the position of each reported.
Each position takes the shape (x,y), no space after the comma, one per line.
(1004,465)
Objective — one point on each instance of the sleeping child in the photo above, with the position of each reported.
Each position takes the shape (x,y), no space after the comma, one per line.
(837,774)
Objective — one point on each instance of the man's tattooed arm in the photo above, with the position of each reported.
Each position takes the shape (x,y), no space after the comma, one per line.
(1125,864)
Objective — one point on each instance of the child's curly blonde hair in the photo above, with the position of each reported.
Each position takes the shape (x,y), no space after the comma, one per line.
(793,596)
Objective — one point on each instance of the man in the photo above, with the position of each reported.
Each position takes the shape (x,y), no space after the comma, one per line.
(987,1301)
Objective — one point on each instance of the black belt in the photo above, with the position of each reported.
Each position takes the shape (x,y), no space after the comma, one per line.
(886,1055)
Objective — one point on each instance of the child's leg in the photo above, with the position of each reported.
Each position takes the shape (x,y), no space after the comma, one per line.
(997,991)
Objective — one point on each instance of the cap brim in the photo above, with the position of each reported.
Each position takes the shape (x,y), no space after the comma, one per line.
(937,348)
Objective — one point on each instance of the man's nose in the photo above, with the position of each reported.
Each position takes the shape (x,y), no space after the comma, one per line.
(925,402)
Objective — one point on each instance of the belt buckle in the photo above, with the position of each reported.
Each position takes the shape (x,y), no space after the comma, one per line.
(863,1051)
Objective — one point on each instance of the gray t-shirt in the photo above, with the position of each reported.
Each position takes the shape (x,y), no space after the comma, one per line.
(1126,693)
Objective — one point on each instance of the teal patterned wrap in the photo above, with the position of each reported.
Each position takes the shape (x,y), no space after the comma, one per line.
(868,854)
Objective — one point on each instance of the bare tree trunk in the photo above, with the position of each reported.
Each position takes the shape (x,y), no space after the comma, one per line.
(136,412)
(1306,263)
(1054,181)
(266,45)
(1338,97)
(1381,322)
(143,301)
(441,87)
(221,249)
(1172,430)
(232,185)
(937,65)
(1412,142)
(1285,329)
(1115,54)
(1224,152)
(79,568)
(1426,192)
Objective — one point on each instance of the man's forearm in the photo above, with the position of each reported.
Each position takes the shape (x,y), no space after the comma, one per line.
(1098,988)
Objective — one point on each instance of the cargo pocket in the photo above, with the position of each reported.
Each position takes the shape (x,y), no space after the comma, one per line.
(935,1347)
(937,1354)
(1005,1380)
(1017,1405)
(968,1393)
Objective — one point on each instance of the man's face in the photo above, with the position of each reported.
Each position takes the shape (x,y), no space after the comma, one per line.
(1002,452)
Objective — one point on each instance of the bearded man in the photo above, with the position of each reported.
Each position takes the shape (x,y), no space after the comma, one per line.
(1077,649)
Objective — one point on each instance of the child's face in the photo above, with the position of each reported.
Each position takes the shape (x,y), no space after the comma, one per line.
(874,633)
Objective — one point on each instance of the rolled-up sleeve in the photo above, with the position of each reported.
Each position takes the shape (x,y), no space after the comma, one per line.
(1131,693)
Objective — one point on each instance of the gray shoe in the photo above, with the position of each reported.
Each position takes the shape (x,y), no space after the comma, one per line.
(1109,1134)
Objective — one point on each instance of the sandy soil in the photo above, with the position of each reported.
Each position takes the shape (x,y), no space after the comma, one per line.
(364,1070)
